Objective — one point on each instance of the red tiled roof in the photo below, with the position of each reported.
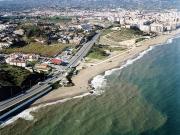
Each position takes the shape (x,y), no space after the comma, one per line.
(56,61)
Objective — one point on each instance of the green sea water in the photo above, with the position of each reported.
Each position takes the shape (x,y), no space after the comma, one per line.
(141,99)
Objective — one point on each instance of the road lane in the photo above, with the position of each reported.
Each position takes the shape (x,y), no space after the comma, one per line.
(40,88)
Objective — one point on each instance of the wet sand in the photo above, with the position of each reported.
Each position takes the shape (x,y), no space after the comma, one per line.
(81,80)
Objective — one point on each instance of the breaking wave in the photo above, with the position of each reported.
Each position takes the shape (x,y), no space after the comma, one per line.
(99,82)
(26,115)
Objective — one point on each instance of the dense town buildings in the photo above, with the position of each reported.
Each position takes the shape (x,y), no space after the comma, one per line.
(21,60)
(77,24)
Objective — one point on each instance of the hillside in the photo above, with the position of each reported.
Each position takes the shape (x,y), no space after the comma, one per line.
(14,80)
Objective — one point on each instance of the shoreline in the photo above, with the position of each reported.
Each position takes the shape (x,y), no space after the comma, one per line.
(83,80)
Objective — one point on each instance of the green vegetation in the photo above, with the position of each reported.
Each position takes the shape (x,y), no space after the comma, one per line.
(112,49)
(57,19)
(43,50)
(11,75)
(32,31)
(32,63)
(122,35)
(14,80)
(56,85)
(140,39)
(97,52)
(107,31)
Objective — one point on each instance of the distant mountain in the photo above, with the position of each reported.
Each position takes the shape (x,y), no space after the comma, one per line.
(141,4)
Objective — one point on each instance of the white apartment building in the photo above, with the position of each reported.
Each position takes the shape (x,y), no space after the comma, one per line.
(2,27)
(145,28)
(158,28)
(4,45)
(21,60)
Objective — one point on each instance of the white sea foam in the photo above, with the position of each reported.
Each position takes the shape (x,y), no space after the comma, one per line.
(97,83)
(169,41)
(131,61)
(26,114)
(100,81)
(109,72)
(177,36)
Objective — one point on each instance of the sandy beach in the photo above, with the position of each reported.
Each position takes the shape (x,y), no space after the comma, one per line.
(81,80)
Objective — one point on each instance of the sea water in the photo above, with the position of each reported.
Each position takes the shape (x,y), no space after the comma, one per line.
(140,98)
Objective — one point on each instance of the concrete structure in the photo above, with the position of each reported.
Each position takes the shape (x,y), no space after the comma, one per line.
(4,45)
(116,28)
(18,63)
(2,27)
(56,61)
(10,106)
(19,32)
(158,28)
(21,60)
(145,28)
(42,67)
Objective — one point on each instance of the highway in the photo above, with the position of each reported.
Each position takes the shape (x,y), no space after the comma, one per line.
(46,85)
(82,52)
